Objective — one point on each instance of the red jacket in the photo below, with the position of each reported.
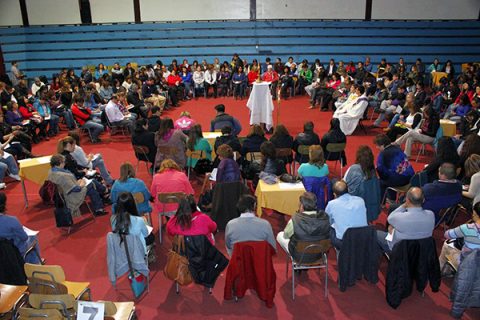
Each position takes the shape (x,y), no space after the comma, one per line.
(270,76)
(251,267)
(171,80)
(81,115)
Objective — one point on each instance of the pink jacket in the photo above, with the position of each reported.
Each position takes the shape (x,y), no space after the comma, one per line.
(201,225)
(169,181)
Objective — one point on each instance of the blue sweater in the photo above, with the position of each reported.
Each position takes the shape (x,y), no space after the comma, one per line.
(393,162)
(12,229)
(441,195)
(132,185)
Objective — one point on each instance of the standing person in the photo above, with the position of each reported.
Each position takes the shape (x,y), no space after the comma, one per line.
(188,221)
(15,74)
(167,136)
(223,119)
(248,227)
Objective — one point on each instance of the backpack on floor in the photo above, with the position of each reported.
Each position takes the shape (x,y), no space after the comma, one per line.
(63,215)
(47,192)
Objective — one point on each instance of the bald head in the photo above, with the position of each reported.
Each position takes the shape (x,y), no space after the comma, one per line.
(340,188)
(415,197)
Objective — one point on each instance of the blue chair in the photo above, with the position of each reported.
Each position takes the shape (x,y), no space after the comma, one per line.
(318,186)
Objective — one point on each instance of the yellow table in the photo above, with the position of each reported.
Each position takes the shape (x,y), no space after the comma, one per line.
(211,136)
(281,197)
(436,76)
(35,170)
(449,127)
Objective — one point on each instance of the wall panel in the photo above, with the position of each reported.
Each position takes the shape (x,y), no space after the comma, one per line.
(53,12)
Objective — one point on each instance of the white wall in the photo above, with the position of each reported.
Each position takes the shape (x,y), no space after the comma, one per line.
(104,11)
(311,9)
(53,12)
(10,14)
(154,10)
(425,9)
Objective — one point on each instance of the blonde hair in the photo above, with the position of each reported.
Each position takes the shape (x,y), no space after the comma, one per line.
(126,171)
(168,164)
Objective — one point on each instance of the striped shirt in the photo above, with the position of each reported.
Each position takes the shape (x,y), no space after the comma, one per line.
(469,232)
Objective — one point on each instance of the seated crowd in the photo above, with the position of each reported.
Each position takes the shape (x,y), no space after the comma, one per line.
(417,202)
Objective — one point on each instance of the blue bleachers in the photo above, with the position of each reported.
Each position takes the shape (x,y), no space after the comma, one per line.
(45,50)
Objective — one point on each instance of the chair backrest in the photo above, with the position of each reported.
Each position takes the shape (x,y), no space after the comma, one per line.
(138,197)
(43,286)
(141,152)
(34,314)
(171,197)
(312,249)
(336,147)
(283,152)
(9,295)
(46,272)
(61,302)
(303,149)
(253,156)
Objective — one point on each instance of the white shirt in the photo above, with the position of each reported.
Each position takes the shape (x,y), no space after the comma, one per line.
(210,77)
(35,88)
(113,112)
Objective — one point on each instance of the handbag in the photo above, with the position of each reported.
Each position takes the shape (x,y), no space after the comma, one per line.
(136,279)
(176,268)
(203,166)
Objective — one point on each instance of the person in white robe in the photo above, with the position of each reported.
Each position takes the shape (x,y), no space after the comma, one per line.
(260,104)
(352,111)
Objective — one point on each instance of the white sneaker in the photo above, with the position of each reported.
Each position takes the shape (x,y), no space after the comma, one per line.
(2,185)
(14,176)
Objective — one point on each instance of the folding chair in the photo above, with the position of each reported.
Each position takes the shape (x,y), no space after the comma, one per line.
(165,198)
(141,155)
(11,298)
(195,154)
(433,144)
(336,148)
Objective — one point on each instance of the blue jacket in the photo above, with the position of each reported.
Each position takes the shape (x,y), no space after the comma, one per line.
(40,109)
(132,185)
(12,229)
(441,195)
(393,162)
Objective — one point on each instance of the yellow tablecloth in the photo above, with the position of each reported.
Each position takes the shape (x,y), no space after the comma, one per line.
(35,170)
(449,127)
(436,76)
(281,197)
(211,136)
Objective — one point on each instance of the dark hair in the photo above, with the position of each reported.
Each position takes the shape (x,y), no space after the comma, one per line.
(308,126)
(186,207)
(364,158)
(246,203)
(194,134)
(256,130)
(3,202)
(124,209)
(220,108)
(165,126)
(476,208)
(279,131)
(226,130)
(334,124)
(268,151)
(446,150)
(74,134)
(139,125)
(154,109)
(470,146)
(309,201)
(381,140)
(361,89)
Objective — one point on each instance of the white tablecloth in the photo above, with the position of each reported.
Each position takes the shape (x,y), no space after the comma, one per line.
(261,105)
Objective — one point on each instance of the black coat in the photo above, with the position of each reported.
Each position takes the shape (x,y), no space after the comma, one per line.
(411,260)
(359,257)
(306,139)
(224,202)
(147,139)
(206,262)
(11,267)
(334,136)
(154,123)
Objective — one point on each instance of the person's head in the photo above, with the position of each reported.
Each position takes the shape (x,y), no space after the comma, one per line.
(382,141)
(74,134)
(186,208)
(415,197)
(226,130)
(446,149)
(470,146)
(155,110)
(57,161)
(66,144)
(12,106)
(168,164)
(165,126)
(365,159)
(340,188)
(141,125)
(316,156)
(194,134)
(114,98)
(246,203)
(224,151)
(126,171)
(268,150)
(280,131)
(360,90)
(220,108)
(256,130)
(308,127)
(308,202)
(334,124)
(447,171)
(472,165)
(3,202)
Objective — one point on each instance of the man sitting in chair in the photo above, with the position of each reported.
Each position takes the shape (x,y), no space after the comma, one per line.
(408,222)
(345,211)
(247,227)
(306,225)
(116,116)
(351,112)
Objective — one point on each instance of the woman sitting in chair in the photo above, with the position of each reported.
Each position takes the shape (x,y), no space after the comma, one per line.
(188,221)
(270,164)
(196,142)
(141,136)
(128,183)
(316,166)
(227,170)
(334,135)
(167,136)
(73,190)
(127,220)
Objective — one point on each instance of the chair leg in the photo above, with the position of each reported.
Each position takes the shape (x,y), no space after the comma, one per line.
(160,225)
(293,282)
(325,257)
(177,288)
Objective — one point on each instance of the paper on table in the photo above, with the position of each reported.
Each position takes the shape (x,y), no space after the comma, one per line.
(213,175)
(30,232)
(149,229)
(389,236)
(290,186)
(43,160)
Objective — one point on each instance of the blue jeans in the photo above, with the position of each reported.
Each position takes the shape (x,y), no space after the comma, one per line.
(95,128)
(94,190)
(337,243)
(53,124)
(33,256)
(382,242)
(100,164)
(394,121)
(68,116)
(128,122)
(7,164)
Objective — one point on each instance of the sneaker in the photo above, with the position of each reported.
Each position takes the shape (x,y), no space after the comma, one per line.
(2,185)
(14,176)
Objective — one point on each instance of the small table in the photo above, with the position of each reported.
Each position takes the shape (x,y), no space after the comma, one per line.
(211,137)
(260,104)
(449,127)
(282,197)
(436,76)
(35,170)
